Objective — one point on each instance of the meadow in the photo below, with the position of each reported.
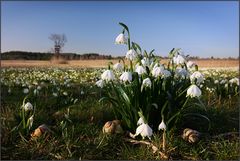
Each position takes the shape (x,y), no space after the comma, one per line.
(66,100)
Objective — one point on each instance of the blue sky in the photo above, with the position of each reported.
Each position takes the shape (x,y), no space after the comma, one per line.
(201,29)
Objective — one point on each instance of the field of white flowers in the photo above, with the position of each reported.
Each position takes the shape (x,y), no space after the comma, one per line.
(173,111)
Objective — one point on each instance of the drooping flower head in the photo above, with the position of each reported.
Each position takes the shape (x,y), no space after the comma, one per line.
(198,77)
(121,39)
(131,55)
(118,66)
(144,130)
(157,71)
(28,106)
(100,83)
(193,91)
(108,75)
(140,70)
(126,77)
(162,126)
(179,59)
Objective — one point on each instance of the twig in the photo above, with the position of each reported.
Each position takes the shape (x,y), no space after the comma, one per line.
(154,148)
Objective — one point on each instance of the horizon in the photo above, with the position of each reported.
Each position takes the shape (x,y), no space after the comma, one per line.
(202,29)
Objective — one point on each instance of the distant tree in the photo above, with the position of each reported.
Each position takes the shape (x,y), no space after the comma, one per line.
(59,42)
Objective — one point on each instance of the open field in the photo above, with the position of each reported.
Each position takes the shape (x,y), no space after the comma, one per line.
(232,64)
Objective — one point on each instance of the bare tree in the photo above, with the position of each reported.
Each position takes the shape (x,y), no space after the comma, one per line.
(59,42)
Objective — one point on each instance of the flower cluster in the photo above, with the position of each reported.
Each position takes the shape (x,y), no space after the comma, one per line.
(149,86)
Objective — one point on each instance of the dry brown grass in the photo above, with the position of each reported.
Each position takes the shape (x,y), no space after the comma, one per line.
(103,63)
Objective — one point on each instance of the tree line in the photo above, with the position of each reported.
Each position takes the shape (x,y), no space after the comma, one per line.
(24,55)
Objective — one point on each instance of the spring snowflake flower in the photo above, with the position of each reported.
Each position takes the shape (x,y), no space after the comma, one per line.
(179,59)
(191,64)
(140,70)
(140,121)
(126,77)
(121,39)
(181,72)
(108,75)
(162,126)
(147,83)
(144,130)
(25,90)
(197,76)
(118,66)
(194,91)
(131,55)
(65,93)
(30,121)
(166,74)
(157,71)
(100,83)
(216,81)
(28,106)
(234,81)
(55,94)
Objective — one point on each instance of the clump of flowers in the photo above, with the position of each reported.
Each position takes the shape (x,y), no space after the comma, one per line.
(159,92)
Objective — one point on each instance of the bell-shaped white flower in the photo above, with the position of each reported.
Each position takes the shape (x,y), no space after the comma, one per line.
(162,126)
(28,106)
(234,81)
(147,83)
(197,76)
(126,77)
(25,90)
(118,66)
(108,75)
(131,55)
(146,61)
(157,71)
(181,73)
(30,122)
(179,59)
(194,91)
(140,70)
(121,39)
(166,74)
(55,94)
(191,64)
(100,83)
(144,130)
(140,121)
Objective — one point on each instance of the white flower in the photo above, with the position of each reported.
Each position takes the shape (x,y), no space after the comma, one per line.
(9,90)
(65,93)
(100,83)
(162,126)
(25,90)
(121,39)
(234,80)
(166,73)
(223,81)
(30,121)
(144,130)
(39,88)
(146,61)
(194,91)
(181,72)
(216,81)
(108,75)
(140,121)
(126,76)
(55,94)
(118,66)
(28,106)
(197,76)
(35,92)
(179,59)
(146,82)
(131,55)
(140,70)
(190,64)
(157,71)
